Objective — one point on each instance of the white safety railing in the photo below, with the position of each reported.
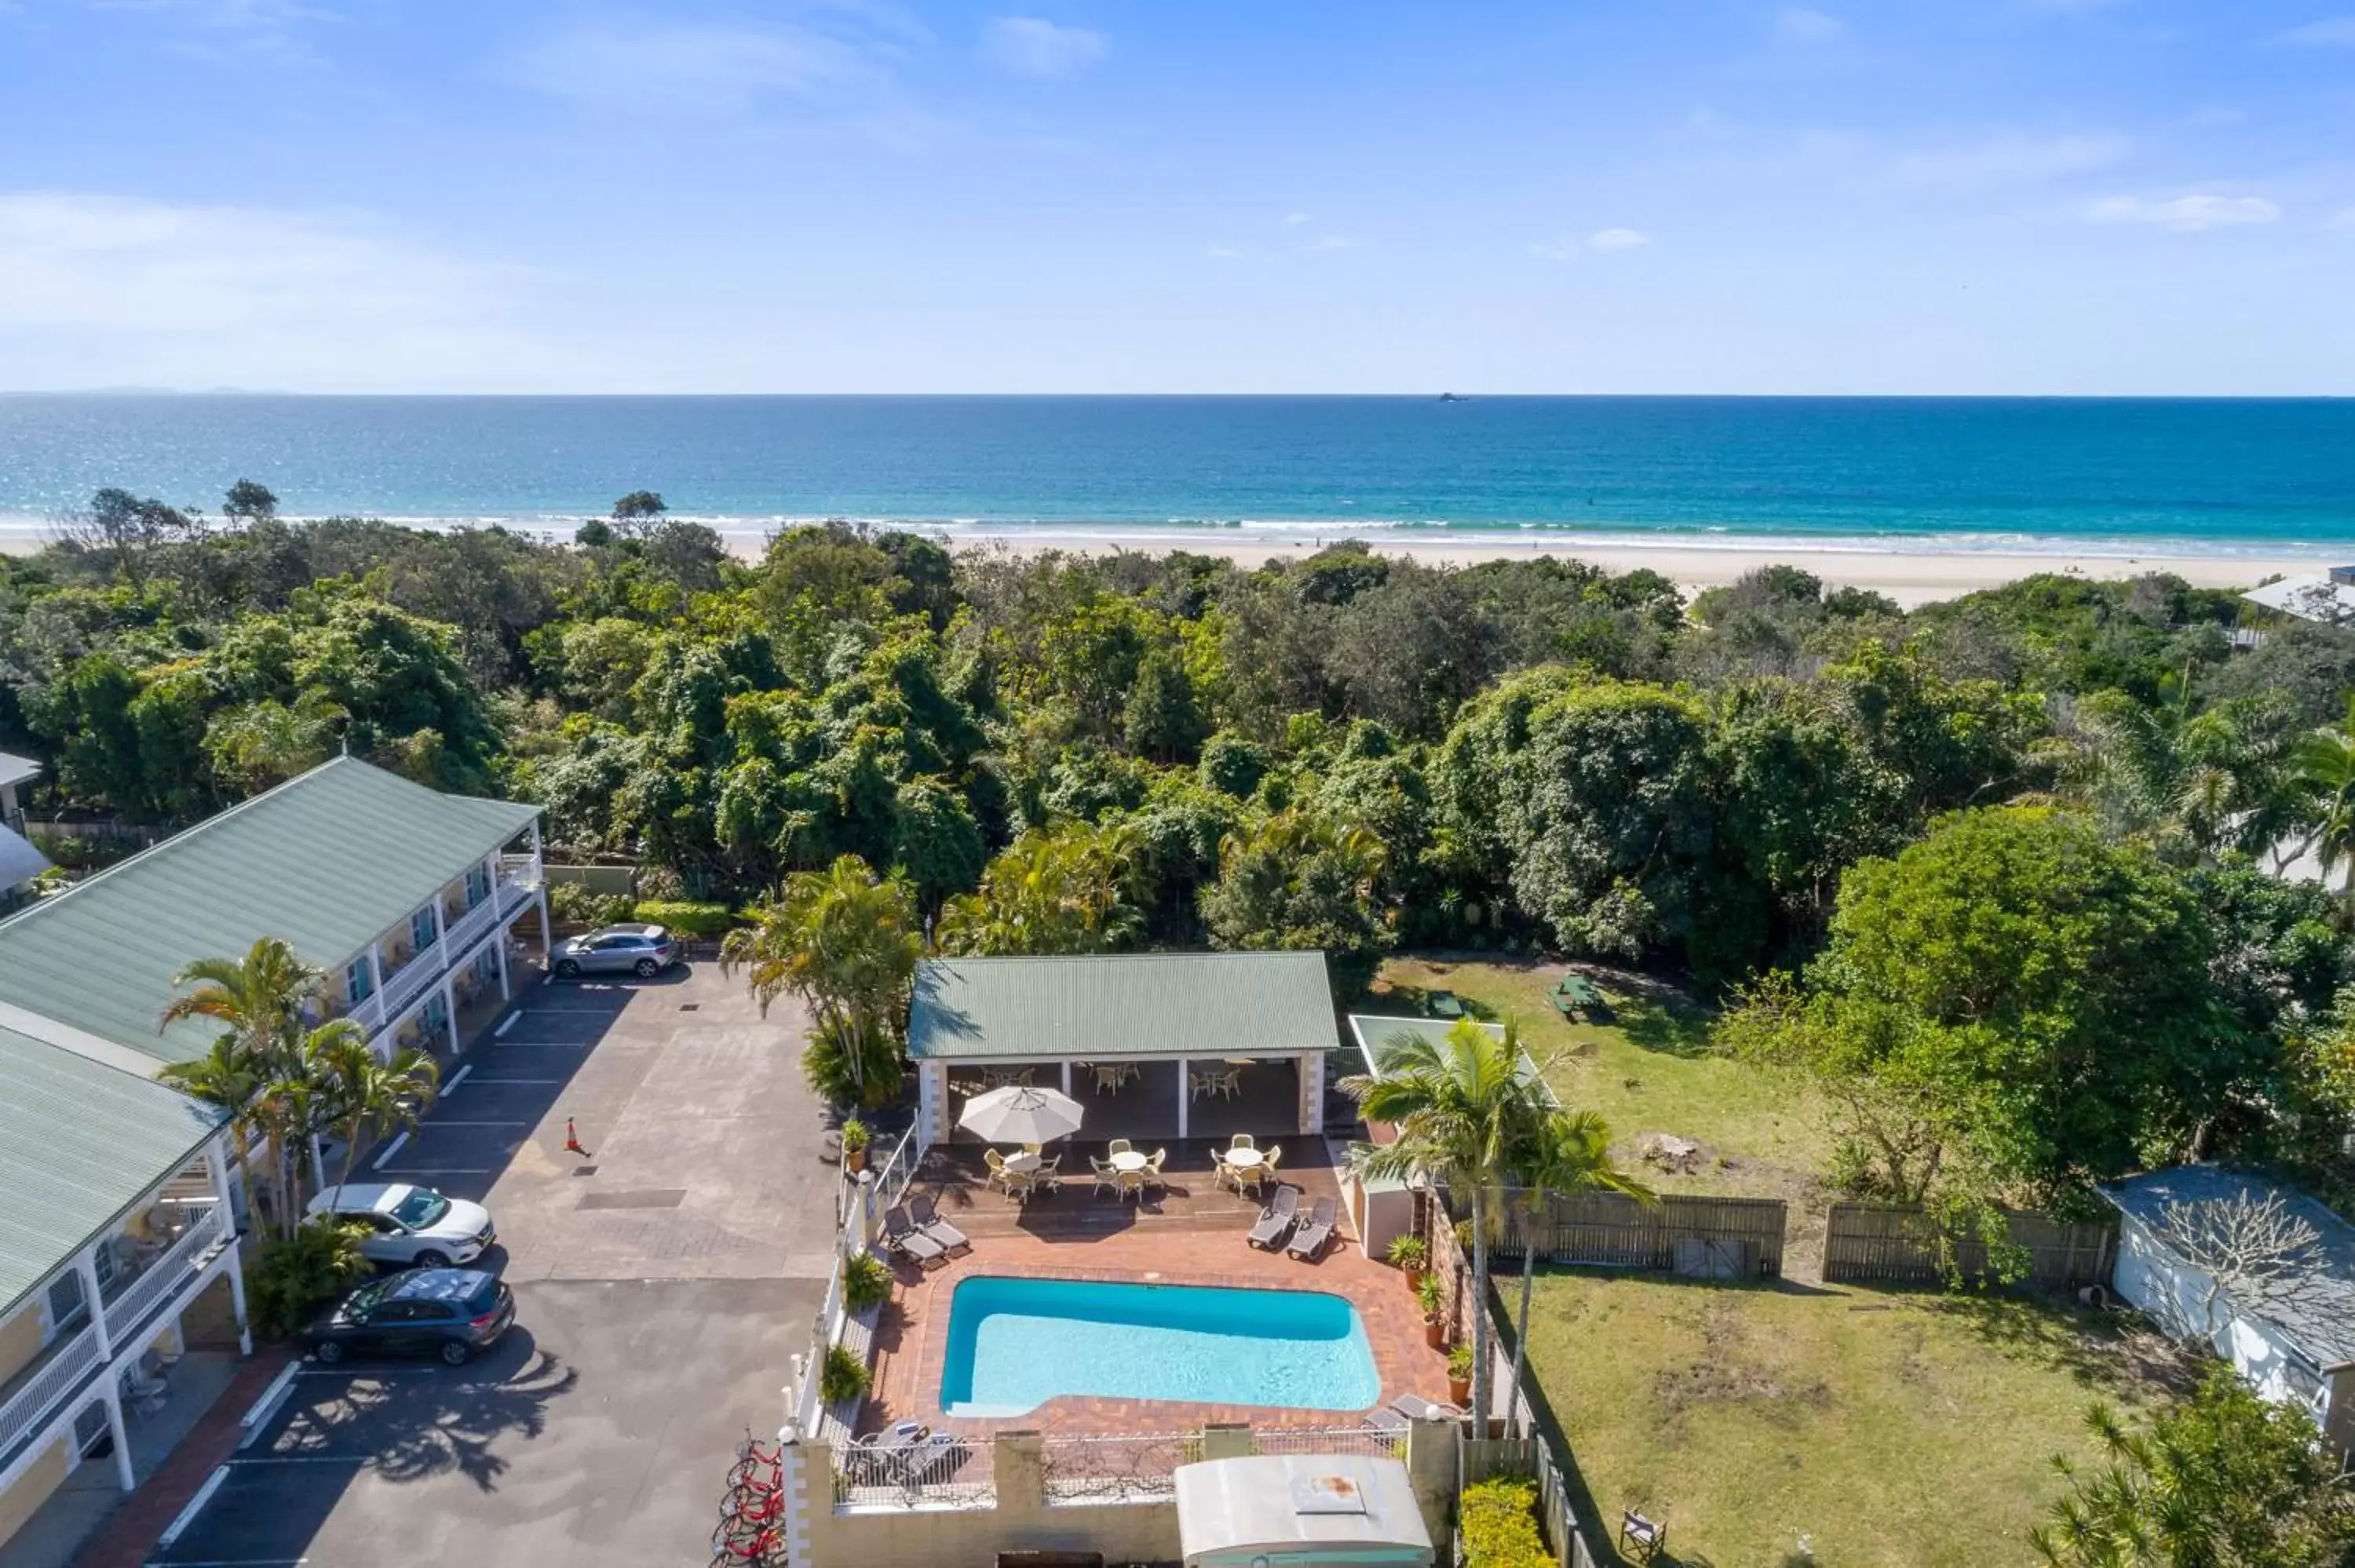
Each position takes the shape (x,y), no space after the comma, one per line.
(156,1282)
(469,926)
(519,874)
(409,983)
(38,1400)
(1366,1441)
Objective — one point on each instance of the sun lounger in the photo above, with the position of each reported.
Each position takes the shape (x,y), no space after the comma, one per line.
(881,1456)
(900,1235)
(928,1222)
(1275,1220)
(1308,1241)
(934,1458)
(1406,1410)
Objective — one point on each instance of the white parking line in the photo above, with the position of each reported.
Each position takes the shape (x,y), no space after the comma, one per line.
(506,1024)
(365,1368)
(188,1515)
(437,1170)
(255,1461)
(390,1149)
(546,1045)
(432,1122)
(457,1077)
(230,1563)
(495,1081)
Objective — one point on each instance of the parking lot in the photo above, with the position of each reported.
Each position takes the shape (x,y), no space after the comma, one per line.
(662,1280)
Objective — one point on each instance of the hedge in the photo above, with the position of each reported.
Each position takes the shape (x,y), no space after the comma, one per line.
(1498,1521)
(688,919)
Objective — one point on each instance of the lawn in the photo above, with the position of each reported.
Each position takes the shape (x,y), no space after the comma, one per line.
(1883,1428)
(1875,1429)
(1648,1069)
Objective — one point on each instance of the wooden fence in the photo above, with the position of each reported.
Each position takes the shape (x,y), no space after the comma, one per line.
(1479,1460)
(1710,1238)
(1885,1244)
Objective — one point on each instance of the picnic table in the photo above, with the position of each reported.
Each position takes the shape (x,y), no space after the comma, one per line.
(1443,1004)
(1576,994)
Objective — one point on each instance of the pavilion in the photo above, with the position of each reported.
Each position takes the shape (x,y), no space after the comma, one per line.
(1154,1044)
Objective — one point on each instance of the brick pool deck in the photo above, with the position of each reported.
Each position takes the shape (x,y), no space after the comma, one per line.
(1201,1245)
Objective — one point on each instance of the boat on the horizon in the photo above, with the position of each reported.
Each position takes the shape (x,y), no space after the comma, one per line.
(1451,397)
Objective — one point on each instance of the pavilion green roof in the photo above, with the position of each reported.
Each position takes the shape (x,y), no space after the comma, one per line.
(328,861)
(1122,1005)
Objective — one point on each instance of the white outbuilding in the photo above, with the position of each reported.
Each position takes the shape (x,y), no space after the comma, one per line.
(1300,1508)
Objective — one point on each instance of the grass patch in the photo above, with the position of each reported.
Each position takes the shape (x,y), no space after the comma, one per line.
(1648,1068)
(1896,1429)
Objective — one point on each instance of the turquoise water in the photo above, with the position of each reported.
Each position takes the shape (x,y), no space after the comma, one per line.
(2221,476)
(1016,1343)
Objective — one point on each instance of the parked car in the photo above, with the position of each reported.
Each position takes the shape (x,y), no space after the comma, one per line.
(639,950)
(410,1227)
(453,1313)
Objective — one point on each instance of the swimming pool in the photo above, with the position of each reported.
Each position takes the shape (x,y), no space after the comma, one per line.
(1016,1343)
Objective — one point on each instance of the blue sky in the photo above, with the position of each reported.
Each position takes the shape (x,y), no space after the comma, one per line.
(1981,195)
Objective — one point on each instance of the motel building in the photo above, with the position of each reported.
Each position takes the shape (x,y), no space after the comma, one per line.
(122,1306)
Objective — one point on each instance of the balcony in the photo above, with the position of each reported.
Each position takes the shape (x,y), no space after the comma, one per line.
(133,1302)
(520,877)
(463,932)
(407,983)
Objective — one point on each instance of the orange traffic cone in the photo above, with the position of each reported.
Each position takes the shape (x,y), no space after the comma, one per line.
(572,1140)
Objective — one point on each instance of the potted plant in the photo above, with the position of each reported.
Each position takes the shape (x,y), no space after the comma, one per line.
(1433,1297)
(865,1282)
(843,1377)
(1459,1374)
(854,1138)
(1407,1251)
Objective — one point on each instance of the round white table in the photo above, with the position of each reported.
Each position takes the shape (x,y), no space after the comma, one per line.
(1242,1158)
(1022,1163)
(1128,1159)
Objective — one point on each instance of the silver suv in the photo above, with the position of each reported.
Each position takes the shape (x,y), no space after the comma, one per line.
(642,950)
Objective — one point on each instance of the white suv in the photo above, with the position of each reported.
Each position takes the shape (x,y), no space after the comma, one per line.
(410,1227)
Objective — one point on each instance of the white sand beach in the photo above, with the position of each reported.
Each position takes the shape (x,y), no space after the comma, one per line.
(1910,576)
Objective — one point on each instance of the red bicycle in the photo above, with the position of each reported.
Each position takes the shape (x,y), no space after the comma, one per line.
(729,1546)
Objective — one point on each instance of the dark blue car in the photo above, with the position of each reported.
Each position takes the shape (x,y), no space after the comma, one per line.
(453,1313)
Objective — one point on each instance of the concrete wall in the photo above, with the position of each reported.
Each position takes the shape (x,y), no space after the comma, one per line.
(33,1488)
(947,1536)
(944,1537)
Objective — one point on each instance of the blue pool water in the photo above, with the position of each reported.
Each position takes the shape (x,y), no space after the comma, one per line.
(1016,1343)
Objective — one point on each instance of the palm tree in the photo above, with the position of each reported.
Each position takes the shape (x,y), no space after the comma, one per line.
(1567,1151)
(362,1089)
(1053,890)
(1463,1109)
(2324,767)
(846,942)
(256,1070)
(224,1078)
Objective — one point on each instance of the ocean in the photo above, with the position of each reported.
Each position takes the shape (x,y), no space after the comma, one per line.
(2035,475)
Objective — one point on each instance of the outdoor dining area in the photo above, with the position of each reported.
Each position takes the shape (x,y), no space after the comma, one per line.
(1029,1116)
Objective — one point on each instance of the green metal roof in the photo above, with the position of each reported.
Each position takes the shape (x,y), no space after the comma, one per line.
(329,860)
(1122,1005)
(80,1143)
(1374,1031)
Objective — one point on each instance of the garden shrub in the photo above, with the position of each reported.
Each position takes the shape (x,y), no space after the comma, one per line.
(290,1277)
(578,903)
(843,1379)
(686,918)
(1498,1524)
(865,1282)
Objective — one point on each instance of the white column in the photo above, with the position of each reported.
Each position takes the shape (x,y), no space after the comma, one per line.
(450,1009)
(122,1472)
(1067,1080)
(546,943)
(1185,1097)
(376,971)
(499,945)
(1312,1091)
(235,1270)
(318,1165)
(217,1167)
(86,1265)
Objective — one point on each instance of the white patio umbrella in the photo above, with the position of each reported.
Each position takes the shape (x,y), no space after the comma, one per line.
(1019,1114)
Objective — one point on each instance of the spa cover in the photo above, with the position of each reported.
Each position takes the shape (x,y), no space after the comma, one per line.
(1285,1508)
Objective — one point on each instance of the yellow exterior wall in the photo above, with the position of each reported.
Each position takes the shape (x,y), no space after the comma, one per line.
(44,1475)
(20,1338)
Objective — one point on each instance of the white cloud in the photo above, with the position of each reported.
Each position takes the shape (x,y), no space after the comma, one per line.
(2185,214)
(1558,251)
(223,28)
(1035,47)
(1222,253)
(1806,22)
(2343,218)
(1618,238)
(103,289)
(2010,158)
(1333,242)
(688,66)
(2327,32)
(1294,219)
